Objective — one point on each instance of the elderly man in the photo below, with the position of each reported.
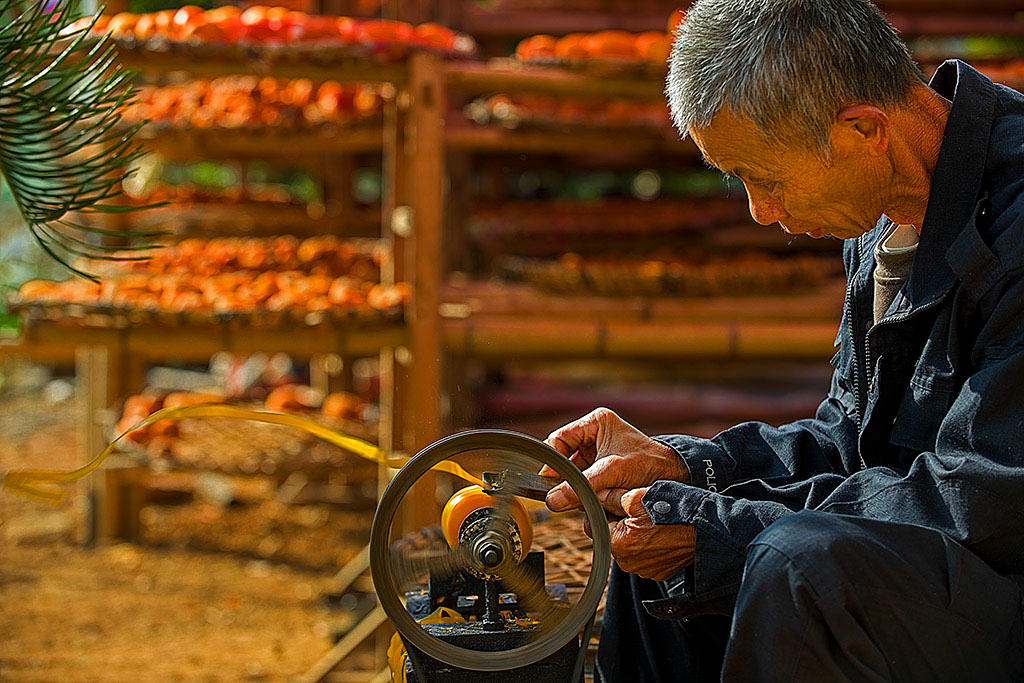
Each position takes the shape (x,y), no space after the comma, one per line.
(882,539)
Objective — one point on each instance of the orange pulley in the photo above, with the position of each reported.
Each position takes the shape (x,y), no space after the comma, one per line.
(470,504)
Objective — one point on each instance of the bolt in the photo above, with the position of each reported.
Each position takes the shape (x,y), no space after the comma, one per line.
(491,555)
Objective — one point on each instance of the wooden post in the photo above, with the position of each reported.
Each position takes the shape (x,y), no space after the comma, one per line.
(106,373)
(337,173)
(326,372)
(394,382)
(425,149)
(456,246)
(392,194)
(91,376)
(413,210)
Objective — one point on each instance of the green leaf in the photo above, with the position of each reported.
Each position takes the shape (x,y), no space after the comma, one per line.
(63,146)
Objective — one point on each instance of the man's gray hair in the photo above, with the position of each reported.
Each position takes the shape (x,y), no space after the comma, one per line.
(789,66)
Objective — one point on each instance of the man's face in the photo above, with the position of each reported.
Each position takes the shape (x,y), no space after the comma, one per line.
(790,185)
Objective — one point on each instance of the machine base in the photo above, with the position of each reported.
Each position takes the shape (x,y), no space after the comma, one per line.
(421,668)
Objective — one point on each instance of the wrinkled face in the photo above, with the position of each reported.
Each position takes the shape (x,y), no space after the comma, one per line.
(791,186)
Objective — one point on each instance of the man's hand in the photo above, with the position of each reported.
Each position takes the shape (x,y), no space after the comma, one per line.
(640,546)
(613,454)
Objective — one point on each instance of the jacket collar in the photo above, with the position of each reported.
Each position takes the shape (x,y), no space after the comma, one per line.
(956,183)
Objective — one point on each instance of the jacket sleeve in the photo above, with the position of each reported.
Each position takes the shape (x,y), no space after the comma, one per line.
(971,486)
(790,452)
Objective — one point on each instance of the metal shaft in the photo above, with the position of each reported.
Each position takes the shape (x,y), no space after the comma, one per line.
(492,617)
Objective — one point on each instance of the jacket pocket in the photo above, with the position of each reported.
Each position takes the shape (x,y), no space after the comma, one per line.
(924,406)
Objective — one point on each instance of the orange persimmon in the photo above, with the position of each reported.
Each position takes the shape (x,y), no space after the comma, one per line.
(347,30)
(385,31)
(142,404)
(653,46)
(435,36)
(223,13)
(293,398)
(610,45)
(674,20)
(535,47)
(122,24)
(164,22)
(342,406)
(184,21)
(383,297)
(570,47)
(182,399)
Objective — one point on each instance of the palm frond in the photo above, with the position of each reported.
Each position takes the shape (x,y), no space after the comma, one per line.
(62,146)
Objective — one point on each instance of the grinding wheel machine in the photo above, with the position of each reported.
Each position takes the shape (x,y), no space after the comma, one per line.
(470,602)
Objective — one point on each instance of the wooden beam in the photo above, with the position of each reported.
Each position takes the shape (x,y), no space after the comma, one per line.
(509,77)
(529,20)
(211,61)
(261,143)
(131,348)
(250,219)
(517,338)
(579,140)
(50,354)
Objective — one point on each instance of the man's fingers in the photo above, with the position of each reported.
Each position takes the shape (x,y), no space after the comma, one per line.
(632,503)
(570,438)
(611,500)
(609,472)
(562,498)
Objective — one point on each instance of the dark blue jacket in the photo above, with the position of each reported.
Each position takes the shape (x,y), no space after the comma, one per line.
(924,420)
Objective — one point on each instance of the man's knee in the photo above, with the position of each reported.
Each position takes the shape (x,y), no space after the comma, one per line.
(815,545)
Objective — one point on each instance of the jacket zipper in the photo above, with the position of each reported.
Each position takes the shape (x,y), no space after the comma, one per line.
(853,346)
(900,317)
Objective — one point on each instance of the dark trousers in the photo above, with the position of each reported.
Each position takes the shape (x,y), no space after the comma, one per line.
(828,597)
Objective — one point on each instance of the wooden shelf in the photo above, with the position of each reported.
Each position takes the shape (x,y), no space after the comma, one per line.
(196,344)
(251,219)
(528,20)
(951,6)
(930,24)
(236,60)
(554,220)
(514,321)
(484,299)
(511,338)
(54,354)
(507,76)
(671,403)
(183,144)
(517,20)
(579,140)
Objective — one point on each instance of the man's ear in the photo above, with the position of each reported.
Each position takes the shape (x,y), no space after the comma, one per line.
(863,125)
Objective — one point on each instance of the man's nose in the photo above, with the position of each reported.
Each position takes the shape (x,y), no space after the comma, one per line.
(764,208)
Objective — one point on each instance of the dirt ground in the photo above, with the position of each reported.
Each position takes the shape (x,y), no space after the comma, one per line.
(123,612)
